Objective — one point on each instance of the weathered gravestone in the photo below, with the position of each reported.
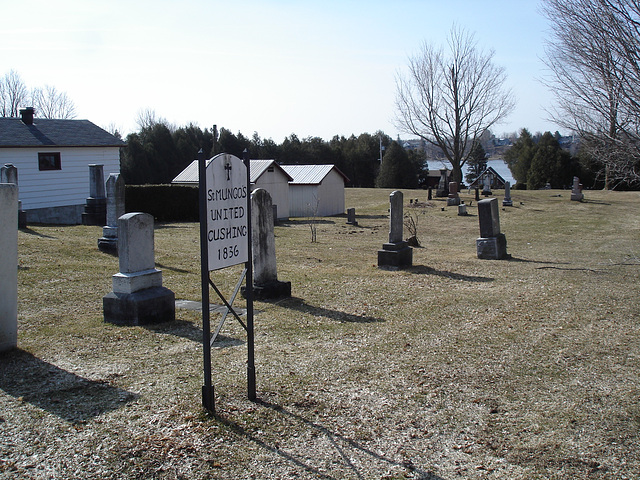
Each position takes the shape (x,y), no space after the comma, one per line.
(487,180)
(454,198)
(8,266)
(492,244)
(95,208)
(396,253)
(9,174)
(507,202)
(442,190)
(576,190)
(351,217)
(462,210)
(115,209)
(138,297)
(263,247)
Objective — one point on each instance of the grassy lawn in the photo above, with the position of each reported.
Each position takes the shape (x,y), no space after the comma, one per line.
(454,368)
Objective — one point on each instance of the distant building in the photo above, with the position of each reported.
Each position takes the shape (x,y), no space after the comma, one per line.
(316,190)
(53,158)
(265,174)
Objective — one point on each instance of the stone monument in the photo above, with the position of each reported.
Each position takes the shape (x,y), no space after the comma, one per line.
(507,202)
(462,210)
(576,190)
(396,253)
(487,180)
(351,217)
(8,266)
(492,244)
(442,190)
(138,297)
(9,174)
(95,208)
(263,247)
(115,209)
(453,198)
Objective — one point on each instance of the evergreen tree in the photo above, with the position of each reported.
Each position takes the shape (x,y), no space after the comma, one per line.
(397,171)
(477,162)
(550,165)
(520,155)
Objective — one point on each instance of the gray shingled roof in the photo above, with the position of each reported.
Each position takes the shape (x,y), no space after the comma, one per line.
(59,133)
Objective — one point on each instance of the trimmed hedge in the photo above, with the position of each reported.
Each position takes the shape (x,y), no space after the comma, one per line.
(167,203)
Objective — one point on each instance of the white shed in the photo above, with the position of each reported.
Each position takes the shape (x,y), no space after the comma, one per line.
(53,158)
(265,174)
(316,190)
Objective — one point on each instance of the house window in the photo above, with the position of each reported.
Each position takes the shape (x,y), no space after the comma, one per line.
(49,161)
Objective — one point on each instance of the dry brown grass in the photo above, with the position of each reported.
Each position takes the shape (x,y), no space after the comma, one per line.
(454,368)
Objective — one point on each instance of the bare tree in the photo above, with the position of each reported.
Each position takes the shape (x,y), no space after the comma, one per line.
(451,100)
(593,58)
(49,103)
(13,94)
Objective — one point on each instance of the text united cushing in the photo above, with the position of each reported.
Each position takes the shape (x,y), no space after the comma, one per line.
(227,233)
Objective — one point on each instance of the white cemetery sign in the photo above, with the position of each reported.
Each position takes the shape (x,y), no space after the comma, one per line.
(227,219)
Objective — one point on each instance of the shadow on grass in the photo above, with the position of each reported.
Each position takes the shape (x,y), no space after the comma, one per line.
(300,305)
(173,269)
(345,449)
(185,329)
(305,221)
(423,270)
(64,394)
(526,260)
(28,231)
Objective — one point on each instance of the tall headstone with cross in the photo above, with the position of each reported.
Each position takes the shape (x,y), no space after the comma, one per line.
(442,190)
(396,253)
(138,297)
(507,202)
(492,244)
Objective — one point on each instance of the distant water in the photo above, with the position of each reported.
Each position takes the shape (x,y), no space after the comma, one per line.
(497,164)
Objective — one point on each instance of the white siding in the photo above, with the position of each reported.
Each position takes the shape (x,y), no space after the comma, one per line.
(56,188)
(331,193)
(278,187)
(303,200)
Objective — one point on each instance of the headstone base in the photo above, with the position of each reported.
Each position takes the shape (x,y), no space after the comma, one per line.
(492,248)
(577,197)
(442,193)
(108,245)
(269,291)
(144,307)
(452,202)
(507,203)
(95,211)
(395,256)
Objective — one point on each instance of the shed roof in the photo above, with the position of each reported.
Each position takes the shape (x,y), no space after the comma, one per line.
(490,170)
(54,133)
(258,167)
(310,174)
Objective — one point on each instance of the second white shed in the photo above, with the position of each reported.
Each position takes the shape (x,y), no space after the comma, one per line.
(316,190)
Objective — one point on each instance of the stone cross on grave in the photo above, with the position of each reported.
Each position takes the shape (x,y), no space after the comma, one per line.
(227,167)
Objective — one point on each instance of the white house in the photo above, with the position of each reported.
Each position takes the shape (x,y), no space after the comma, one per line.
(316,190)
(265,174)
(53,158)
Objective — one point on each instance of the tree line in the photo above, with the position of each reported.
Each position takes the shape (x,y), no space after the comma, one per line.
(159,151)
(47,101)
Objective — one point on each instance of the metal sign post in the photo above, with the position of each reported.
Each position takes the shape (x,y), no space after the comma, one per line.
(225,240)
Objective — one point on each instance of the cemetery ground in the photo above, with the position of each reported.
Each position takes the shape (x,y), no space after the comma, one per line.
(526,368)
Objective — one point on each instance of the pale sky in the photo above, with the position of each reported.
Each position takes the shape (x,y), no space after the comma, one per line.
(275,67)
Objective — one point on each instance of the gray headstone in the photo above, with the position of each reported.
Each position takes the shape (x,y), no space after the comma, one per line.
(96,181)
(396,217)
(507,202)
(138,297)
(8,266)
(115,199)
(489,217)
(263,241)
(576,190)
(135,242)
(351,216)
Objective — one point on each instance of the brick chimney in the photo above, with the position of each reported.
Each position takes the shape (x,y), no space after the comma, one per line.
(27,115)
